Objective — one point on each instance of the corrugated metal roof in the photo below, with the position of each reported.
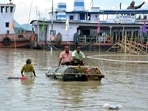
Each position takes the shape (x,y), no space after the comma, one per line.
(127,11)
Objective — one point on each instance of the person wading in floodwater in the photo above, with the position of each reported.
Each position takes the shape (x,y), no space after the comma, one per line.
(28,69)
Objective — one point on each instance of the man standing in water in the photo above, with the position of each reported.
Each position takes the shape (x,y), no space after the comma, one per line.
(65,56)
(76,38)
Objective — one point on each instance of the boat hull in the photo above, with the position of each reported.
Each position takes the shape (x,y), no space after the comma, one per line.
(21,40)
(24,44)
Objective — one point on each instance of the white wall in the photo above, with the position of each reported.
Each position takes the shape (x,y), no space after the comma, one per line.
(3,19)
(94,18)
(6,16)
(66,35)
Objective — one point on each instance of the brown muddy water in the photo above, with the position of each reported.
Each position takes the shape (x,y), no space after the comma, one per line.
(125,83)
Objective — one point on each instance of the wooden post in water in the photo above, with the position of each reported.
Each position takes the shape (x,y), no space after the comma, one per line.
(124,36)
(14,40)
(125,44)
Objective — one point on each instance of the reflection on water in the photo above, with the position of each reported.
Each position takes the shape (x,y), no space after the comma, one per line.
(28,81)
(73,94)
(124,83)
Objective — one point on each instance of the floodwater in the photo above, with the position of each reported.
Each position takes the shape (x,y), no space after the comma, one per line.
(124,83)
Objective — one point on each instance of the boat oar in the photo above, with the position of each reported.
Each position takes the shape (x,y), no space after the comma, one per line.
(22,78)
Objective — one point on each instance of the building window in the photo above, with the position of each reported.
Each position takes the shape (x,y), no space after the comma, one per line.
(7,31)
(7,24)
(7,9)
(2,9)
(82,16)
(78,3)
(71,17)
(62,6)
(11,9)
(88,16)
(52,32)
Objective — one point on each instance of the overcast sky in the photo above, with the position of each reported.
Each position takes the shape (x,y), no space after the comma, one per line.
(23,7)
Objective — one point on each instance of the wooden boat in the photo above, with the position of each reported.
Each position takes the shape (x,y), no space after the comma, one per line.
(75,73)
(11,35)
(21,40)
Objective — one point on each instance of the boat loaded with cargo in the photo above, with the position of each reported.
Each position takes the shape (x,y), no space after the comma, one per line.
(75,73)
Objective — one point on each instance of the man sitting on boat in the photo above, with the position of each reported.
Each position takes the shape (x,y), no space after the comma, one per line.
(65,56)
(78,57)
